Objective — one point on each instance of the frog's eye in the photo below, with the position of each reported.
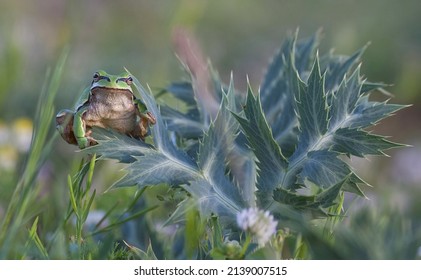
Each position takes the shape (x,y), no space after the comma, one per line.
(96,77)
(129,80)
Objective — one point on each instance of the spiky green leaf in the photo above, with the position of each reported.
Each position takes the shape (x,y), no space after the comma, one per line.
(312,107)
(187,125)
(276,95)
(329,196)
(293,199)
(337,66)
(114,145)
(155,168)
(181,90)
(344,100)
(369,113)
(360,143)
(269,159)
(273,78)
(324,168)
(217,143)
(324,199)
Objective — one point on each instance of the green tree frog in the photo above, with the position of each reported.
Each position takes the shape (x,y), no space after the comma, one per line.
(108,103)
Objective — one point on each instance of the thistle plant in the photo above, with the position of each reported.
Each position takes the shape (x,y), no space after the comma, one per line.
(280,149)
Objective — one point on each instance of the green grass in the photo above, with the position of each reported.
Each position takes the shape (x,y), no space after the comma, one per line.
(19,209)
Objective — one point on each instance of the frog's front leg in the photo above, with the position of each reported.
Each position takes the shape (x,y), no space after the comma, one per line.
(143,112)
(79,128)
(146,118)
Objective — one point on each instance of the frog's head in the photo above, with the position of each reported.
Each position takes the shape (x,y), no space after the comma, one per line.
(102,79)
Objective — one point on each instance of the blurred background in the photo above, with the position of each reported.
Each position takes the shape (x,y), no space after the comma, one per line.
(237,35)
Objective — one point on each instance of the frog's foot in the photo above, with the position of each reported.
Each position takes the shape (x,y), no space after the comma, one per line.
(151,118)
(82,142)
(87,140)
(147,119)
(91,140)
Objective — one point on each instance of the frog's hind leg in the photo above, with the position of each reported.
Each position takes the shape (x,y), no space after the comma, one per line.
(64,125)
(79,128)
(143,112)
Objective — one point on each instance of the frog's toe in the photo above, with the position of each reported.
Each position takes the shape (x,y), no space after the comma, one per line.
(151,118)
(83,142)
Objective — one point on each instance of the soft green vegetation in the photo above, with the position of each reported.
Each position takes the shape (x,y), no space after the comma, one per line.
(284,150)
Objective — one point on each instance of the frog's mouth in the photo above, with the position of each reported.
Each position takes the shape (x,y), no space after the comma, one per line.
(108,90)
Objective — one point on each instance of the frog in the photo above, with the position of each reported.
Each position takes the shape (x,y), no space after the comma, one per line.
(108,103)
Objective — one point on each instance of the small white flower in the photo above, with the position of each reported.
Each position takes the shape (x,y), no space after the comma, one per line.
(258,222)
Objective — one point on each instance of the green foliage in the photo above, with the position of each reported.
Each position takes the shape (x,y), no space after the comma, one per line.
(35,239)
(81,199)
(282,150)
(309,113)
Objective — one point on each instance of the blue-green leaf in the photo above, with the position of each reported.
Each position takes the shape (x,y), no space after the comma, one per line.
(304,53)
(368,113)
(215,197)
(276,95)
(312,110)
(360,143)
(344,100)
(183,91)
(269,159)
(324,199)
(273,78)
(312,107)
(324,168)
(186,125)
(293,199)
(338,66)
(155,168)
(329,196)
(114,145)
(217,143)
(272,86)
